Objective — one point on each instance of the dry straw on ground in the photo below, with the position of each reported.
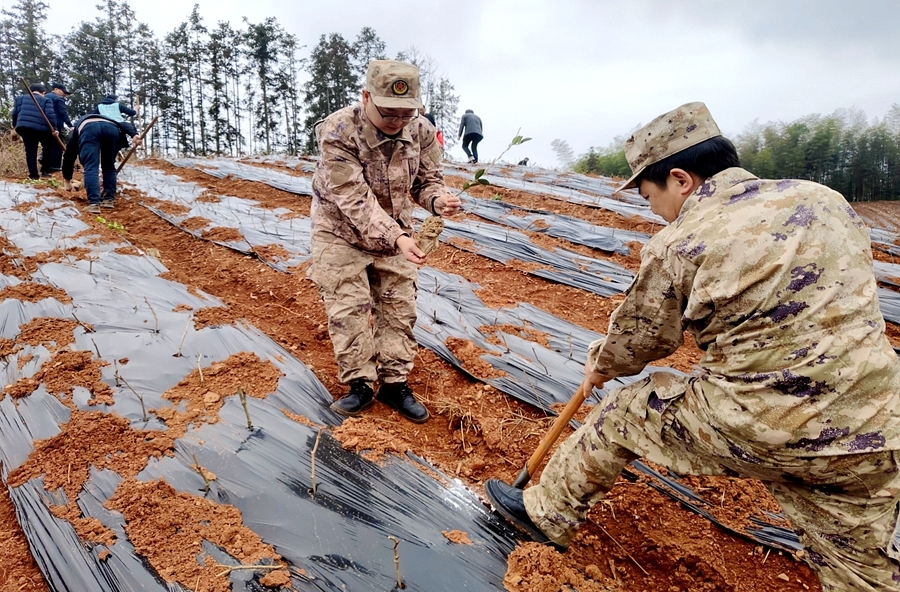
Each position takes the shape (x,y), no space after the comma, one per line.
(12,157)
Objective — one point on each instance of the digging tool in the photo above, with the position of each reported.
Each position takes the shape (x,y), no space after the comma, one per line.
(134,147)
(550,437)
(44,115)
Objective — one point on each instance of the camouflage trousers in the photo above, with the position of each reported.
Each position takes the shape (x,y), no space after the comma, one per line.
(844,509)
(357,289)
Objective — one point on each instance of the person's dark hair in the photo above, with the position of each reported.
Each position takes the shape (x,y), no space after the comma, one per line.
(704,160)
(430,118)
(37,87)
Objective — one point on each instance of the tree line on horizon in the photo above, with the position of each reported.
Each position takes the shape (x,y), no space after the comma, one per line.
(218,90)
(844,151)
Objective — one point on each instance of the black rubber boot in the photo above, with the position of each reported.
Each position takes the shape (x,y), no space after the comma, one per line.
(359,397)
(399,396)
(507,501)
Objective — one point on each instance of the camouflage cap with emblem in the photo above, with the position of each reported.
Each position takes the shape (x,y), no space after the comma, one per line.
(393,85)
(666,135)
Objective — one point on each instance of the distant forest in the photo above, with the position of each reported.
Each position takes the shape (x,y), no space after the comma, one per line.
(217,89)
(845,151)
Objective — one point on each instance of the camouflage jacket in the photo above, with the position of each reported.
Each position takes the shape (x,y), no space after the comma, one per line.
(774,280)
(364,180)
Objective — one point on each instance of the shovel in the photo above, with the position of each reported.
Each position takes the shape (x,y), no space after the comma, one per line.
(550,437)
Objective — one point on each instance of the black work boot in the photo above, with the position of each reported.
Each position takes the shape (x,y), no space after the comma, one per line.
(359,397)
(507,501)
(399,396)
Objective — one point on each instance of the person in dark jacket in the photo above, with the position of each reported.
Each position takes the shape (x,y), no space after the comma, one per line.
(95,141)
(57,97)
(30,125)
(470,131)
(110,108)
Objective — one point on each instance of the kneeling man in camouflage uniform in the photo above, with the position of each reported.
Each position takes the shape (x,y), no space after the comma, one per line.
(799,385)
(374,156)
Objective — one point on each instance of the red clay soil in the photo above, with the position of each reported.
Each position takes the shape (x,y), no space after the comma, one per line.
(885,213)
(167,528)
(636,539)
(597,216)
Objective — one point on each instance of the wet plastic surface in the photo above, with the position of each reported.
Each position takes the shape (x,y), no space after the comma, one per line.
(337,535)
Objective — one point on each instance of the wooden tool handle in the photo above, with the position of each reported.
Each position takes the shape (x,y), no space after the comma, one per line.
(562,420)
(44,115)
(134,147)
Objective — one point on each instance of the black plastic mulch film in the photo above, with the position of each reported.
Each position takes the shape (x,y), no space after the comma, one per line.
(337,536)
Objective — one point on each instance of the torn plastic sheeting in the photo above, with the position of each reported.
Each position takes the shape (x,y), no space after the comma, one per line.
(121,330)
(600,186)
(259,226)
(570,195)
(221,167)
(51,226)
(305,165)
(566,267)
(572,229)
(339,533)
(537,375)
(887,273)
(541,376)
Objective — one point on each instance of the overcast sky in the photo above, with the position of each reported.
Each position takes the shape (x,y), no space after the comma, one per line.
(586,71)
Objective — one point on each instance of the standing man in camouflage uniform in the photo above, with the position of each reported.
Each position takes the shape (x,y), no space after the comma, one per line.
(375,158)
(799,388)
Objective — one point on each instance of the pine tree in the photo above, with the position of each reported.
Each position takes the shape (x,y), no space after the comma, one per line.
(88,69)
(265,42)
(32,51)
(223,62)
(564,153)
(8,51)
(367,47)
(197,44)
(333,82)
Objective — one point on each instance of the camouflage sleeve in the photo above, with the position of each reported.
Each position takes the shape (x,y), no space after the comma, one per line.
(647,326)
(345,186)
(429,182)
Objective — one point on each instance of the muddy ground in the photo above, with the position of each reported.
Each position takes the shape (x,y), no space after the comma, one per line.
(636,540)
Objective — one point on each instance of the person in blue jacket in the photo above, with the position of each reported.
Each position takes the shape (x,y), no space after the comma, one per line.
(57,97)
(31,126)
(95,141)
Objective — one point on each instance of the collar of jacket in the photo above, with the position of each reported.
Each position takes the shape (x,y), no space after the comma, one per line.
(721,181)
(375,137)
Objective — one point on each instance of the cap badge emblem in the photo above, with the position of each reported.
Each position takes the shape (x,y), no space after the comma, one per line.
(400,87)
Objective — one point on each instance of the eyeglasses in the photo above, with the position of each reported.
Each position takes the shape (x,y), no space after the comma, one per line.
(394,118)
